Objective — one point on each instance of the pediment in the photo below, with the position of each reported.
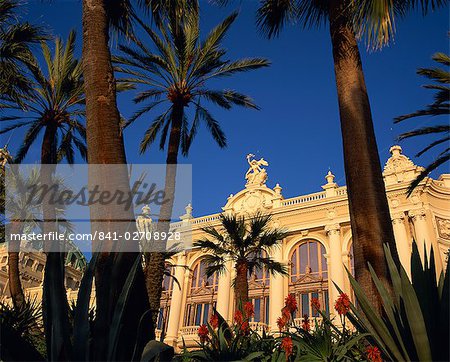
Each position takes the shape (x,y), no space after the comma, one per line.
(251,200)
(308,278)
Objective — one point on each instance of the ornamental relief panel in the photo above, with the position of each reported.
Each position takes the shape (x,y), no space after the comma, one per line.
(443,226)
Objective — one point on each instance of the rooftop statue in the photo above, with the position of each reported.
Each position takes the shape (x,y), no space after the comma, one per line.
(256,175)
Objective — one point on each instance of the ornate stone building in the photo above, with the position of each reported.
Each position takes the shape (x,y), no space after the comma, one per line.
(316,250)
(32,266)
(318,247)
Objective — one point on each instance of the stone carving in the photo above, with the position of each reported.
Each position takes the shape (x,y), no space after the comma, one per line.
(399,168)
(443,228)
(256,175)
(5,156)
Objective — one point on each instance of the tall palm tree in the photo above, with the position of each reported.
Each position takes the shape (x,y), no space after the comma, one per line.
(16,41)
(175,76)
(247,244)
(348,19)
(440,106)
(105,144)
(54,106)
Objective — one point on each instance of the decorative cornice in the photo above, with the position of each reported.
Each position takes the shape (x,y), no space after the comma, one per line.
(398,218)
(417,214)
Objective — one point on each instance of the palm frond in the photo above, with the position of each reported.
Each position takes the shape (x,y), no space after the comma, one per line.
(431,167)
(273,15)
(152,131)
(445,128)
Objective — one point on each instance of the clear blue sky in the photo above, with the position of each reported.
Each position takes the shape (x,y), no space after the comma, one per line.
(297,129)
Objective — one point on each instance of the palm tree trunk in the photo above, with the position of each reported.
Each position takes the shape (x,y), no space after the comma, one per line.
(241,285)
(156,259)
(15,285)
(106,147)
(369,210)
(55,305)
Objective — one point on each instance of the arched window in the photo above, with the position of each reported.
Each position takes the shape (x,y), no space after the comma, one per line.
(259,285)
(202,296)
(166,296)
(351,261)
(309,276)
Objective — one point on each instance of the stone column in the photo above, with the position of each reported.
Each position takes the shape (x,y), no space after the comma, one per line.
(424,237)
(276,293)
(336,270)
(402,241)
(176,302)
(224,292)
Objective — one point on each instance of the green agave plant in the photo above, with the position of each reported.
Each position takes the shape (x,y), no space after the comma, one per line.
(326,342)
(415,324)
(228,343)
(21,332)
(82,343)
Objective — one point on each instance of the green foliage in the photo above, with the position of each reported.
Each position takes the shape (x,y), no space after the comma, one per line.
(372,20)
(230,343)
(440,107)
(249,241)
(22,325)
(177,70)
(327,343)
(415,325)
(56,100)
(16,41)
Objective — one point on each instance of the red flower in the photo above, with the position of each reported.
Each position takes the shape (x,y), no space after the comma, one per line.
(238,317)
(315,304)
(249,310)
(214,321)
(203,333)
(245,328)
(342,304)
(291,303)
(287,346)
(373,354)
(281,323)
(285,313)
(305,323)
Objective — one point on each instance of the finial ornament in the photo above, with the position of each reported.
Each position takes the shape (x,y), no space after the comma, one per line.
(256,175)
(329,177)
(395,150)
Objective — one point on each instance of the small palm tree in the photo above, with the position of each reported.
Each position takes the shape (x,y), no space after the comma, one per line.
(440,106)
(248,244)
(175,75)
(16,40)
(23,209)
(23,215)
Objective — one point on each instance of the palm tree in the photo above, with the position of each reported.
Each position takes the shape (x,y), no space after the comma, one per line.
(105,144)
(440,106)
(23,209)
(247,244)
(177,74)
(54,107)
(16,40)
(369,211)
(22,214)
